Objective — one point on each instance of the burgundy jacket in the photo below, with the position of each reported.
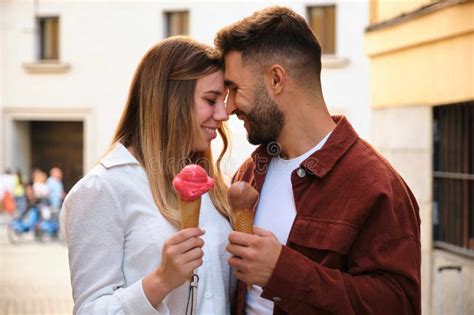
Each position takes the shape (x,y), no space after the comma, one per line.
(354,247)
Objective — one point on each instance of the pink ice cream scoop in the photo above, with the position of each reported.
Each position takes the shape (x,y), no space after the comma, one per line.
(192,182)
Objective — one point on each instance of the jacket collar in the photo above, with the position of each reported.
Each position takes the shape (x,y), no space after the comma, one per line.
(322,161)
(119,155)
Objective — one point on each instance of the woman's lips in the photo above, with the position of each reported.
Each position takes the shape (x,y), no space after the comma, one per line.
(211,132)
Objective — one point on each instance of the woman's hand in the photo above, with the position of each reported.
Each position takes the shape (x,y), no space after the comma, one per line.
(182,253)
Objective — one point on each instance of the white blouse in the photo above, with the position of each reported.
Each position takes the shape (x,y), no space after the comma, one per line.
(115,234)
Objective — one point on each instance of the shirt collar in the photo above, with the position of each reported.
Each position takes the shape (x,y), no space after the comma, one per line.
(119,155)
(340,141)
(322,161)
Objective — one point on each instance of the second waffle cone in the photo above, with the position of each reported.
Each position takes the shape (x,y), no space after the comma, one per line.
(243,220)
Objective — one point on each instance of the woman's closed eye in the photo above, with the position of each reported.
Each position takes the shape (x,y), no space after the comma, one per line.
(211,102)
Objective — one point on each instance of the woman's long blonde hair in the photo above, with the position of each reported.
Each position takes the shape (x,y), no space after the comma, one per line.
(159,120)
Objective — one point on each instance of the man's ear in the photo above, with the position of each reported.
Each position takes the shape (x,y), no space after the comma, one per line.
(276,79)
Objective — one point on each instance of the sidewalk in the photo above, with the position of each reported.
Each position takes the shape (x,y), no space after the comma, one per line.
(34,277)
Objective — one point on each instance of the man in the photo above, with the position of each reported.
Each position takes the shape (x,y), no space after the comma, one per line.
(337,229)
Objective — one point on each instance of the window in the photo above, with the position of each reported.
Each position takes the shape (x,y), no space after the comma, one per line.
(177,23)
(453,176)
(322,20)
(48,38)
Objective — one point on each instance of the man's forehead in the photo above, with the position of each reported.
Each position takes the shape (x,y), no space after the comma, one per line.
(233,66)
(233,56)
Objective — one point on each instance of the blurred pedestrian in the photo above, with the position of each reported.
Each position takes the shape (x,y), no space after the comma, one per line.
(40,188)
(41,193)
(7,184)
(19,193)
(56,188)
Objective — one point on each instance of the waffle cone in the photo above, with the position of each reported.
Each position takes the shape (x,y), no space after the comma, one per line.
(189,213)
(243,220)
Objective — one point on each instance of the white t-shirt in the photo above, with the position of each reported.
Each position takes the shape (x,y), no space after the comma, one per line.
(276,212)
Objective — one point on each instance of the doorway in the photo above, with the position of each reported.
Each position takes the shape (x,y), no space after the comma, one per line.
(58,144)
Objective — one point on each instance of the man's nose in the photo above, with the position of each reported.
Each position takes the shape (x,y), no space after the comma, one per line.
(220,113)
(230,105)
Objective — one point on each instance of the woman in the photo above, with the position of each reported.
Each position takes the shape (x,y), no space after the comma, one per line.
(121,223)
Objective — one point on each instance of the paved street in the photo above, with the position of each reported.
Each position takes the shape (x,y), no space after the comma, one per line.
(34,277)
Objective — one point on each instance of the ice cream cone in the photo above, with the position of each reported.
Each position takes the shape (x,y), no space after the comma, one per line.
(189,213)
(242,199)
(190,184)
(243,220)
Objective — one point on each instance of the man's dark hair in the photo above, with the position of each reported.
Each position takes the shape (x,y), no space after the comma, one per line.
(274,35)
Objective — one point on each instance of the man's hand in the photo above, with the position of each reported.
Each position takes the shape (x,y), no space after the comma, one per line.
(254,256)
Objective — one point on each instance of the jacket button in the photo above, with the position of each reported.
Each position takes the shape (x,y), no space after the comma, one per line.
(276,299)
(301,172)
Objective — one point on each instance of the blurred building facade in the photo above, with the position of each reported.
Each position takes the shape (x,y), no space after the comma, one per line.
(422,97)
(66,67)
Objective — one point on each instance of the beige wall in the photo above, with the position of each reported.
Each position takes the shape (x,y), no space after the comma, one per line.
(432,65)
(438,73)
(452,291)
(387,9)
(403,136)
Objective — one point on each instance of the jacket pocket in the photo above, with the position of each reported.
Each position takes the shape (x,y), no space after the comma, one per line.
(323,235)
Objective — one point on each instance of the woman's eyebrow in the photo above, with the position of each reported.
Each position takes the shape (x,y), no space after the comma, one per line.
(217,93)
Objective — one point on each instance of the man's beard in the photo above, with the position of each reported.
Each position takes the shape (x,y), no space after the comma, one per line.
(265,119)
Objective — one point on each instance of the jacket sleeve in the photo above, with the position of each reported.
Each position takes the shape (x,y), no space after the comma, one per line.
(94,229)
(381,274)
